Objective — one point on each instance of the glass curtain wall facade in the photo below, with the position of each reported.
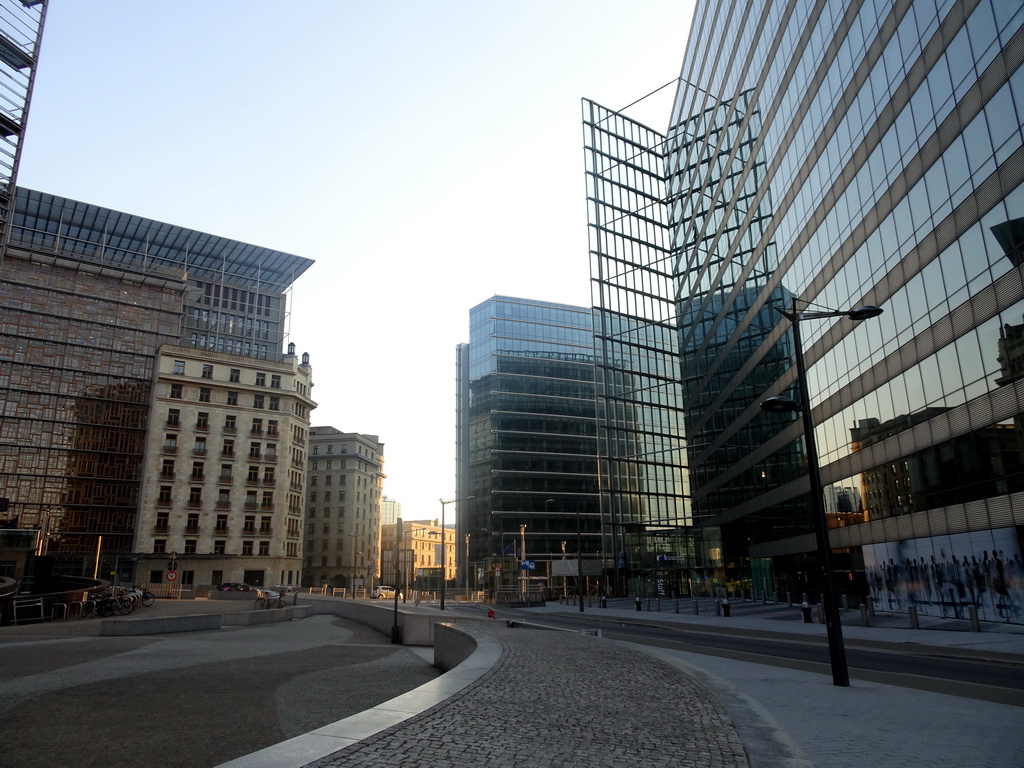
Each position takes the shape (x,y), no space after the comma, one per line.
(645,514)
(90,295)
(527,440)
(836,154)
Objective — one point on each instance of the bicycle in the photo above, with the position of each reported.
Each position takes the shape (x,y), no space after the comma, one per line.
(145,596)
(269,600)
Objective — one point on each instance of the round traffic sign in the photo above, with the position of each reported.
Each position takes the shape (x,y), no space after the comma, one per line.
(172,575)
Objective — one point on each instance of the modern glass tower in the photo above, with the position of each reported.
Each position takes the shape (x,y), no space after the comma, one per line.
(832,155)
(526,447)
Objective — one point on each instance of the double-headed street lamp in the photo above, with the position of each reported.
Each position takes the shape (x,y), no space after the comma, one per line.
(779,404)
(444,543)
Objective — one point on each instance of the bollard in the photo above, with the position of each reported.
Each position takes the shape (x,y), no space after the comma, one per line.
(912,610)
(696,608)
(648,605)
(865,621)
(657,604)
(638,602)
(604,601)
(789,599)
(972,614)
(726,610)
(821,613)
(845,601)
(805,609)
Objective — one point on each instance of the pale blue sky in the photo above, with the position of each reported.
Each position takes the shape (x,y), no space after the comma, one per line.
(427,155)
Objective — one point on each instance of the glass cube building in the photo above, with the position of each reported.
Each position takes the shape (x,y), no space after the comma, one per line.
(822,156)
(526,440)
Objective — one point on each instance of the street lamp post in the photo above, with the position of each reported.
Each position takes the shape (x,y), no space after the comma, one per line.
(579,557)
(444,543)
(468,536)
(779,404)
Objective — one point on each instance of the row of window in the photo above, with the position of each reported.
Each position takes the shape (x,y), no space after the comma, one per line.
(230,423)
(234,375)
(227,448)
(219,547)
(271,403)
(195,494)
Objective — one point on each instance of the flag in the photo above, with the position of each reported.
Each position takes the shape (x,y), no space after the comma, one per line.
(12,523)
(510,549)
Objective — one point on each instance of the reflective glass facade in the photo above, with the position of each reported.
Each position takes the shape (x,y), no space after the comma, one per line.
(526,435)
(838,154)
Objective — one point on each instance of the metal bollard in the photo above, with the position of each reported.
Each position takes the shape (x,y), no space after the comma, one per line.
(912,610)
(638,603)
(726,609)
(845,602)
(972,614)
(789,599)
(696,608)
(657,604)
(865,620)
(648,605)
(805,609)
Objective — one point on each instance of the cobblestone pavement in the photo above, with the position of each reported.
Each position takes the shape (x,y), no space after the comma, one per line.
(562,699)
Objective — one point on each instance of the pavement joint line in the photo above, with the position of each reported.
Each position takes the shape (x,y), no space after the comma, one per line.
(333,737)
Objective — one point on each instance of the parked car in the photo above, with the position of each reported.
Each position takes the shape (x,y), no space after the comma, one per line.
(384,592)
(236,586)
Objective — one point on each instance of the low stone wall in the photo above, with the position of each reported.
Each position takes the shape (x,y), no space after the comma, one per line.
(452,645)
(415,628)
(193,622)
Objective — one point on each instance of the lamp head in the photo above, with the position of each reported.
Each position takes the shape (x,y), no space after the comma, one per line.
(864,313)
(780,404)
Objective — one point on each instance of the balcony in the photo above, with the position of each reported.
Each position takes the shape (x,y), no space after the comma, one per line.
(271,457)
(256,431)
(229,429)
(170,448)
(161,528)
(225,479)
(199,451)
(223,504)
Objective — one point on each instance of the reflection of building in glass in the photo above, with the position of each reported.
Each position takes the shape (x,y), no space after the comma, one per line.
(878,160)
(527,434)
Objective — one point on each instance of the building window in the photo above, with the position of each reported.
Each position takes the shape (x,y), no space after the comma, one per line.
(268,499)
(265,525)
(330,449)
(165,495)
(268,475)
(175,391)
(200,448)
(173,417)
(217,578)
(197,470)
(312,511)
(223,499)
(222,524)
(162,522)
(254,474)
(257,401)
(202,421)
(192,523)
(264,548)
(246,547)
(195,496)
(261,379)
(229,447)
(190,546)
(235,375)
(257,427)
(275,381)
(327,480)
(250,500)
(229,423)
(254,450)
(316,451)
(207,372)
(159,545)
(218,547)
(275,404)
(179,367)
(204,395)
(272,426)
(232,398)
(167,470)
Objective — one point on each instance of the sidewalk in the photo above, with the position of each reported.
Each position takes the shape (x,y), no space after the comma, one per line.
(562,699)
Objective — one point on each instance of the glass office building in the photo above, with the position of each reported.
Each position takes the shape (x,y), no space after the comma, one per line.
(831,155)
(526,439)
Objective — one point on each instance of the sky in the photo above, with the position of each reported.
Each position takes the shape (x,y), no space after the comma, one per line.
(426,154)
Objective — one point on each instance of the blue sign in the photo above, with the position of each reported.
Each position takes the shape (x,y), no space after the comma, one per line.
(527,565)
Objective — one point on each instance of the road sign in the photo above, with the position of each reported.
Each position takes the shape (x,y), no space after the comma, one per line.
(172,565)
(172,575)
(497,569)
(528,565)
